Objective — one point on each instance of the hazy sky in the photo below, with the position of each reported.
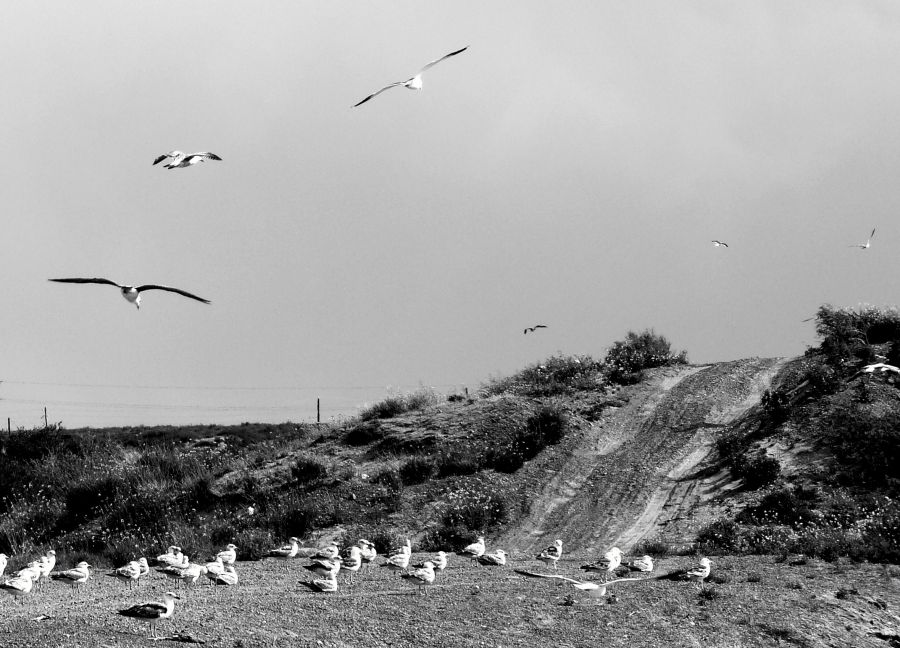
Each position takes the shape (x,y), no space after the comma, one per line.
(569,169)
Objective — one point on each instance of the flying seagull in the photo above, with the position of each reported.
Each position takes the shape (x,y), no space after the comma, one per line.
(719,243)
(531,329)
(415,83)
(865,246)
(182,159)
(132,293)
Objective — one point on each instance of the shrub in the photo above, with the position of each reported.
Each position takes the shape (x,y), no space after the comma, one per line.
(756,471)
(627,359)
(785,506)
(654,548)
(364,434)
(458,463)
(417,470)
(308,469)
(554,376)
(545,427)
(396,405)
(721,536)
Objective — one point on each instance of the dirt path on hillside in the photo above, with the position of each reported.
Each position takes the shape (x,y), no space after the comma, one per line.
(645,464)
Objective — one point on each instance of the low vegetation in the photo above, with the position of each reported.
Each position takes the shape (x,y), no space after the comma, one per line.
(843,498)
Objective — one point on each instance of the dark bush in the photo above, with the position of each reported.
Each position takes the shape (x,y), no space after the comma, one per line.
(787,506)
(756,471)
(458,462)
(364,434)
(722,536)
(308,469)
(417,470)
(627,359)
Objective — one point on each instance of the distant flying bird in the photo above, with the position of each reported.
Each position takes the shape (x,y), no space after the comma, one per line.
(415,83)
(180,159)
(531,329)
(719,243)
(132,293)
(865,246)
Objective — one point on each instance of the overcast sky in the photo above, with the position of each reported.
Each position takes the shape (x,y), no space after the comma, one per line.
(569,169)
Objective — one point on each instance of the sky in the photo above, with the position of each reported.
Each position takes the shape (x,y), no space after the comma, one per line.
(570,168)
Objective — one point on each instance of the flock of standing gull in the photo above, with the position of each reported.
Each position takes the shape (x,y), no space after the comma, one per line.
(325,565)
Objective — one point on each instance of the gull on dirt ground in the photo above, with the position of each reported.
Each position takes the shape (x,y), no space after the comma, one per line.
(327,553)
(551,554)
(439,560)
(606,565)
(532,329)
(352,562)
(4,559)
(421,578)
(153,612)
(172,556)
(592,588)
(188,575)
(75,576)
(496,559)
(227,578)
(130,573)
(287,551)
(696,574)
(213,569)
(397,562)
(179,159)
(47,563)
(474,550)
(326,584)
(414,83)
(131,293)
(867,244)
(405,548)
(228,555)
(719,243)
(642,564)
(145,567)
(367,551)
(18,586)
(324,568)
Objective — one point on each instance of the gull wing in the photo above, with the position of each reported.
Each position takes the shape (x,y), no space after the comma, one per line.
(95,280)
(445,56)
(375,94)
(170,289)
(160,158)
(145,611)
(532,574)
(205,154)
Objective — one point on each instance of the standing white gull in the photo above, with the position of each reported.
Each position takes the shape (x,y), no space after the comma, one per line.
(3,560)
(551,554)
(439,560)
(153,612)
(867,244)
(367,551)
(414,83)
(475,549)
(130,573)
(608,564)
(421,578)
(75,576)
(642,564)
(228,555)
(18,586)
(352,562)
(287,551)
(180,159)
(131,293)
(327,553)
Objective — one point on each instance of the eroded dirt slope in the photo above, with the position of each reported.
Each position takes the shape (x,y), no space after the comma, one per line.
(643,465)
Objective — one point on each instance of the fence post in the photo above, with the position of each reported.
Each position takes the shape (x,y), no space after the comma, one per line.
(318,411)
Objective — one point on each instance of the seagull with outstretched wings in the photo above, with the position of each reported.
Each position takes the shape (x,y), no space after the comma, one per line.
(532,329)
(132,293)
(180,159)
(414,83)
(867,244)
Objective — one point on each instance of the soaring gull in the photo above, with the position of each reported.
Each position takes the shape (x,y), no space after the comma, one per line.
(131,293)
(179,159)
(865,246)
(415,83)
